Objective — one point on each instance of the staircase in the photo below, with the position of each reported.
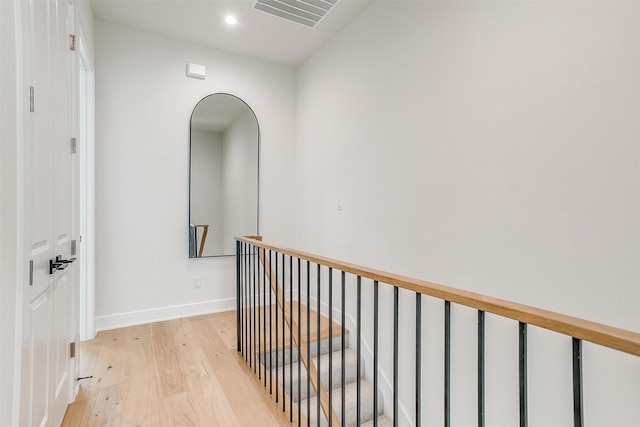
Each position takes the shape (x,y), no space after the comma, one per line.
(265,271)
(298,354)
(283,367)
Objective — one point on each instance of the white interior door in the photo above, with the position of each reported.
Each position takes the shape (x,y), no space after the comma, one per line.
(48,179)
(39,228)
(64,169)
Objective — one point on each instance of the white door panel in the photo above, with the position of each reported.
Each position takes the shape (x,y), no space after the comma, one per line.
(47,324)
(38,169)
(39,314)
(60,357)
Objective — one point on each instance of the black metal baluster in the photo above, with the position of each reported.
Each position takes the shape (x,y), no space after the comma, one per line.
(264,317)
(277,350)
(480,368)
(577,383)
(309,344)
(252,305)
(343,345)
(249,260)
(242,346)
(290,338)
(299,353)
(395,356)
(318,308)
(238,332)
(330,345)
(284,351)
(375,353)
(418,359)
(358,346)
(447,363)
(257,275)
(255,308)
(270,327)
(523,374)
(255,338)
(246,294)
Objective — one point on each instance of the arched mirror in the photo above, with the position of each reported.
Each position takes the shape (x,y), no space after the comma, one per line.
(223,168)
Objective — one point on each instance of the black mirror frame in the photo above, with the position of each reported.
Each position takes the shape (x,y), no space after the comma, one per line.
(192,237)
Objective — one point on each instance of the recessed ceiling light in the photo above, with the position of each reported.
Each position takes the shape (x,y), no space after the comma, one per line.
(231,20)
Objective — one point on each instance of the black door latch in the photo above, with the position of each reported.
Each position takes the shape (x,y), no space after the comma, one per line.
(57,263)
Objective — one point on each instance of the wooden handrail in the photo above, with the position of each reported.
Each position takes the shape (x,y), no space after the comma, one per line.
(597,333)
(205,228)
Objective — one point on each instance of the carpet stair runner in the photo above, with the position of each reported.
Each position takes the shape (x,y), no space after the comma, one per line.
(300,396)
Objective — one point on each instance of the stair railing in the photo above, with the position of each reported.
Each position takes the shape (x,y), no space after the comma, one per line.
(261,336)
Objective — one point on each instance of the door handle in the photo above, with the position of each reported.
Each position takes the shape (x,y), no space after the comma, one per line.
(57,263)
(54,265)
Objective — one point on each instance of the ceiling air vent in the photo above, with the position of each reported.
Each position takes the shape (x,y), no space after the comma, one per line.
(306,12)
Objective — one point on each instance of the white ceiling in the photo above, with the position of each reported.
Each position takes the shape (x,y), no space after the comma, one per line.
(256,34)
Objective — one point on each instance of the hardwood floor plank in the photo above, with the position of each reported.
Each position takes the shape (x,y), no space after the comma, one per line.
(182,410)
(79,412)
(226,327)
(189,354)
(168,370)
(143,376)
(140,395)
(239,389)
(108,369)
(140,399)
(106,411)
(211,405)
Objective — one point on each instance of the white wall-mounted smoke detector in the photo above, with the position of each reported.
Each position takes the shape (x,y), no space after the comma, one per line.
(196,71)
(305,12)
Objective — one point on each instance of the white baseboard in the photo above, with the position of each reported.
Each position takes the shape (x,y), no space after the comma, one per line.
(131,318)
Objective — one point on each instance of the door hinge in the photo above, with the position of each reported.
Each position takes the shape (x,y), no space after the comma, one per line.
(72,41)
(72,349)
(31,99)
(73,247)
(74,145)
(31,273)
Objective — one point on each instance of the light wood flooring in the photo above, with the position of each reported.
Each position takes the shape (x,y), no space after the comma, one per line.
(183,372)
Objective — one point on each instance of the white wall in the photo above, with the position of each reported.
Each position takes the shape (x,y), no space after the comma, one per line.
(494,147)
(143,106)
(240,177)
(206,188)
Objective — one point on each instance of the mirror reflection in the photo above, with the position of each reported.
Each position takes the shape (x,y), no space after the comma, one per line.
(223,182)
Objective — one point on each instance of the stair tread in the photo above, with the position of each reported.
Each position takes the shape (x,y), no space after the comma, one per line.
(350,356)
(383,421)
(351,359)
(366,404)
(314,333)
(283,354)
